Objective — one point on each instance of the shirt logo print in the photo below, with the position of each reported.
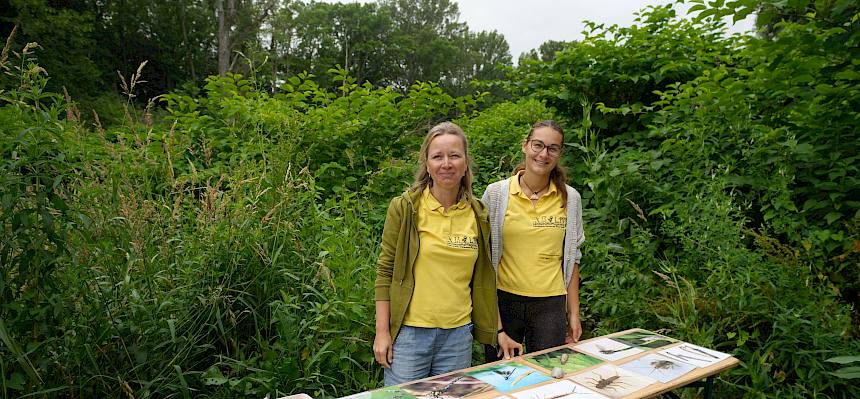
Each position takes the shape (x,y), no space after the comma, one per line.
(549,221)
(462,241)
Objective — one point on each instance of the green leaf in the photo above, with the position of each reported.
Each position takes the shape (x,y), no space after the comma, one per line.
(844,359)
(849,373)
(22,358)
(832,217)
(848,75)
(804,78)
(804,149)
(16,381)
(186,393)
(696,8)
(213,376)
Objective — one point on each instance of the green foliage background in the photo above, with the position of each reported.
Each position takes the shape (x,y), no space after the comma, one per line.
(224,245)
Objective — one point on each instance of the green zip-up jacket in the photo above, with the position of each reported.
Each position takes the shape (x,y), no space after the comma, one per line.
(395,280)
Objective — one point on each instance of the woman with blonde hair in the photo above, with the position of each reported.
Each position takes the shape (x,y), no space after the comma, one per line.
(536,222)
(435,286)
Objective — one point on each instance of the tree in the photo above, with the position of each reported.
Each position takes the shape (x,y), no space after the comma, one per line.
(622,67)
(424,40)
(64,33)
(175,37)
(546,52)
(484,58)
(239,23)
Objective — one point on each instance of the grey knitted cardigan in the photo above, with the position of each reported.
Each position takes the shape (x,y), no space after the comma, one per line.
(496,198)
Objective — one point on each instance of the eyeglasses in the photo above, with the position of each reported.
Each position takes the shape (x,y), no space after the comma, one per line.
(537,146)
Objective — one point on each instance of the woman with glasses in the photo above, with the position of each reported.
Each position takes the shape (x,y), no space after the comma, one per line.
(536,222)
(434,281)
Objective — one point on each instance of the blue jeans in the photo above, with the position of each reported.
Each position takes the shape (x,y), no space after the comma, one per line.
(422,352)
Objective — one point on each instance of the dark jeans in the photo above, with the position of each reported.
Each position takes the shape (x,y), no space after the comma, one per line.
(536,322)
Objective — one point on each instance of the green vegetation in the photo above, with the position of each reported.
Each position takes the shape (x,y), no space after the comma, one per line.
(392,43)
(220,241)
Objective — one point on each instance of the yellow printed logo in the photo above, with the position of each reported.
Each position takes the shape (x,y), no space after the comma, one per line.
(462,241)
(550,221)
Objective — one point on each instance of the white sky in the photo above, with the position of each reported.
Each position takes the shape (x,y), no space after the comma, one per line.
(528,23)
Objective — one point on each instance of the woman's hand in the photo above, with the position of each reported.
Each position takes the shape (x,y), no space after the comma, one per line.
(574,330)
(508,346)
(383,349)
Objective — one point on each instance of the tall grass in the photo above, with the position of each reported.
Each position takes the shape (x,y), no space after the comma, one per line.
(225,246)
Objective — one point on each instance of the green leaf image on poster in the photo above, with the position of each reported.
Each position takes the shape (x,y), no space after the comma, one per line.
(645,339)
(567,359)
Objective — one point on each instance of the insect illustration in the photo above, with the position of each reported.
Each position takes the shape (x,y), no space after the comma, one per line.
(682,357)
(607,351)
(506,374)
(662,365)
(561,395)
(686,348)
(437,393)
(611,383)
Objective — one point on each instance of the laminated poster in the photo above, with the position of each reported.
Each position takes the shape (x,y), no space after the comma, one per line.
(658,367)
(384,393)
(509,376)
(694,354)
(452,386)
(608,349)
(564,389)
(645,339)
(611,381)
(567,359)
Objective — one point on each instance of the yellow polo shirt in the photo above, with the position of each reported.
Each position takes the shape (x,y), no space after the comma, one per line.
(443,270)
(533,244)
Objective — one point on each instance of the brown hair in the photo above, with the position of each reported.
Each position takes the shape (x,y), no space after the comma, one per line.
(558,175)
(422,176)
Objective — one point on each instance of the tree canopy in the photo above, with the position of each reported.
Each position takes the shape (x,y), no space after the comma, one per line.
(389,44)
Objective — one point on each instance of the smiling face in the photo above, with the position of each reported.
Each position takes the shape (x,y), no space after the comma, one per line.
(446,161)
(542,163)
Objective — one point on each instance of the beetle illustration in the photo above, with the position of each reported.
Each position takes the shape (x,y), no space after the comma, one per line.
(610,383)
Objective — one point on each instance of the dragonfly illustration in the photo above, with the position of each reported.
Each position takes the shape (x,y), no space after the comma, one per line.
(438,393)
(506,374)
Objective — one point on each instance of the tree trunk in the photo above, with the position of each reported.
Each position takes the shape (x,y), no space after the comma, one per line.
(225,16)
(189,57)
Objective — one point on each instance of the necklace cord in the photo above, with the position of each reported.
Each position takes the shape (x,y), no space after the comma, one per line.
(534,193)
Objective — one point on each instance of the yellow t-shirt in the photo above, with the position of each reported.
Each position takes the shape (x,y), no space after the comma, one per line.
(533,244)
(447,253)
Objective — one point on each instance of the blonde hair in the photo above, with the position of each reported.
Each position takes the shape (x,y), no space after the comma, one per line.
(558,175)
(422,176)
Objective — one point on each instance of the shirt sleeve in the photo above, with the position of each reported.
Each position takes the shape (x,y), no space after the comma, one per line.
(580,232)
(385,263)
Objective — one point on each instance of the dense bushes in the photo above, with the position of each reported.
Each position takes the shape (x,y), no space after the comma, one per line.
(723,214)
(225,246)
